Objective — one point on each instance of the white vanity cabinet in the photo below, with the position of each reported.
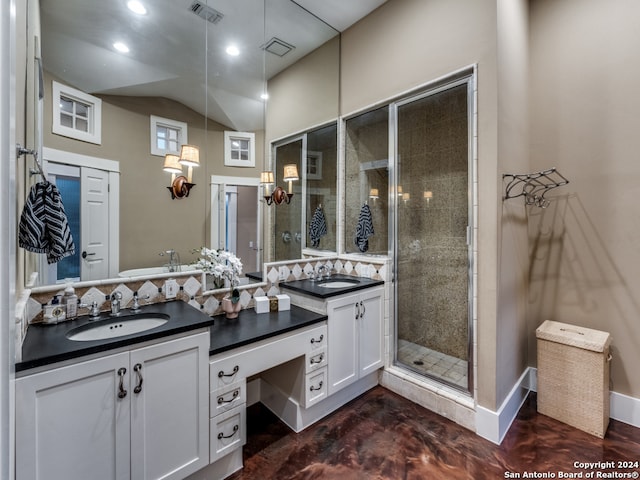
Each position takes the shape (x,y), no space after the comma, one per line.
(355,343)
(139,414)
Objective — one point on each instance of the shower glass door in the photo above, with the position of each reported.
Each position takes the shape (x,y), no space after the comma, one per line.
(432,222)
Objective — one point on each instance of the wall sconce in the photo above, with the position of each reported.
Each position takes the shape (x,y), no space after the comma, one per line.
(428,195)
(279,196)
(405,197)
(399,190)
(374,194)
(181,185)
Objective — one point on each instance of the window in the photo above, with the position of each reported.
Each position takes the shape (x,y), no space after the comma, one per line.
(167,136)
(76,114)
(239,149)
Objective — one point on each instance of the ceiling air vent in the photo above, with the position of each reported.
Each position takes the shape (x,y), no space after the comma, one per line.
(278,47)
(206,12)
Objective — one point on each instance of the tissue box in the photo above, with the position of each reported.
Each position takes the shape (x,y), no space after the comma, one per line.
(284,302)
(261,304)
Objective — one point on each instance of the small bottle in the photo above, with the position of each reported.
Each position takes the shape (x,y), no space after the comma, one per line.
(70,301)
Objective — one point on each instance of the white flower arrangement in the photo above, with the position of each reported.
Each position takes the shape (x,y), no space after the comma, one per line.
(220,264)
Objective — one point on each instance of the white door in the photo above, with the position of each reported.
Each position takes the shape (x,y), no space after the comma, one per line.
(71,423)
(235,219)
(170,408)
(94,244)
(342,342)
(370,338)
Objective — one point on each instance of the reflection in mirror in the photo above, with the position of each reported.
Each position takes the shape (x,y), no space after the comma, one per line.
(287,216)
(321,191)
(176,69)
(309,220)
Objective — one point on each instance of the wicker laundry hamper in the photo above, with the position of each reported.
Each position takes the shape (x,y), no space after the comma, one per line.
(573,375)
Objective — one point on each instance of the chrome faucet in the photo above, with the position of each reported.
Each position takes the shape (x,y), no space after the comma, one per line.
(174,260)
(115,303)
(321,269)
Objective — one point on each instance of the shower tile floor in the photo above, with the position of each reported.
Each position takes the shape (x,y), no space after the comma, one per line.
(423,360)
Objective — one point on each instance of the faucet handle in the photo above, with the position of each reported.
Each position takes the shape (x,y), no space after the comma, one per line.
(116,296)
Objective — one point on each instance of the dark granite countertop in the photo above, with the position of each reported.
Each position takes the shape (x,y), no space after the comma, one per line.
(249,327)
(47,344)
(313,288)
(254,275)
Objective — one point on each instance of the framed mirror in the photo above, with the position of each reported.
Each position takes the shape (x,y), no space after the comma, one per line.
(177,68)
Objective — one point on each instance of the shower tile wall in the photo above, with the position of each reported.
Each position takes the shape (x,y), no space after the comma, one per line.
(432,251)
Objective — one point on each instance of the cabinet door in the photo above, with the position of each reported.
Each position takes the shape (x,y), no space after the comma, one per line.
(342,333)
(169,412)
(371,339)
(71,424)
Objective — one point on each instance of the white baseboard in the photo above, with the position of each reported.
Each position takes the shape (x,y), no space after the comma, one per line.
(624,409)
(494,425)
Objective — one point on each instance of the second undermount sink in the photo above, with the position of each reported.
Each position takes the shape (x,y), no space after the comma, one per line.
(117,327)
(338,283)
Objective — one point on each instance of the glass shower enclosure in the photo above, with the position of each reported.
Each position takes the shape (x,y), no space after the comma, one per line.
(433,252)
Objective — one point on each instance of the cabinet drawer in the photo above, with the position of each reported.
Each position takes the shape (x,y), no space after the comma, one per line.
(315,359)
(315,387)
(228,432)
(227,372)
(226,398)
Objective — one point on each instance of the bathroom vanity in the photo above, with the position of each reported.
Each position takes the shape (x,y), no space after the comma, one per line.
(171,403)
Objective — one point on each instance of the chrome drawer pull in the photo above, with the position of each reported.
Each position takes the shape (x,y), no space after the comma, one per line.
(121,390)
(222,435)
(221,399)
(319,387)
(313,340)
(320,358)
(222,374)
(136,368)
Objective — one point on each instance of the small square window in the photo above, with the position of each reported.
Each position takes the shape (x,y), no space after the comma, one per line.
(167,136)
(239,149)
(76,114)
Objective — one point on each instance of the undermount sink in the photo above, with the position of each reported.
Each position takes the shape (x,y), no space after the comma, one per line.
(117,327)
(338,283)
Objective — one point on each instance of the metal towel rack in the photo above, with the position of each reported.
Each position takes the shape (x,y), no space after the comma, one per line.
(20,150)
(533,186)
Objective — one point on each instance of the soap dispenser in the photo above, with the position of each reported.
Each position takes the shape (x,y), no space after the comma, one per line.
(70,301)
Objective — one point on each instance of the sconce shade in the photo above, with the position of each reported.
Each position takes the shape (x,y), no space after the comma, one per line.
(290,173)
(428,194)
(373,193)
(172,164)
(406,197)
(190,156)
(267,178)
(399,190)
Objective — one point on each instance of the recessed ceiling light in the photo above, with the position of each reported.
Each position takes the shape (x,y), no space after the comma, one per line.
(136,7)
(233,50)
(121,47)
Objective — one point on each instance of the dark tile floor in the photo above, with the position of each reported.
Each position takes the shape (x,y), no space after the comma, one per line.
(381,435)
